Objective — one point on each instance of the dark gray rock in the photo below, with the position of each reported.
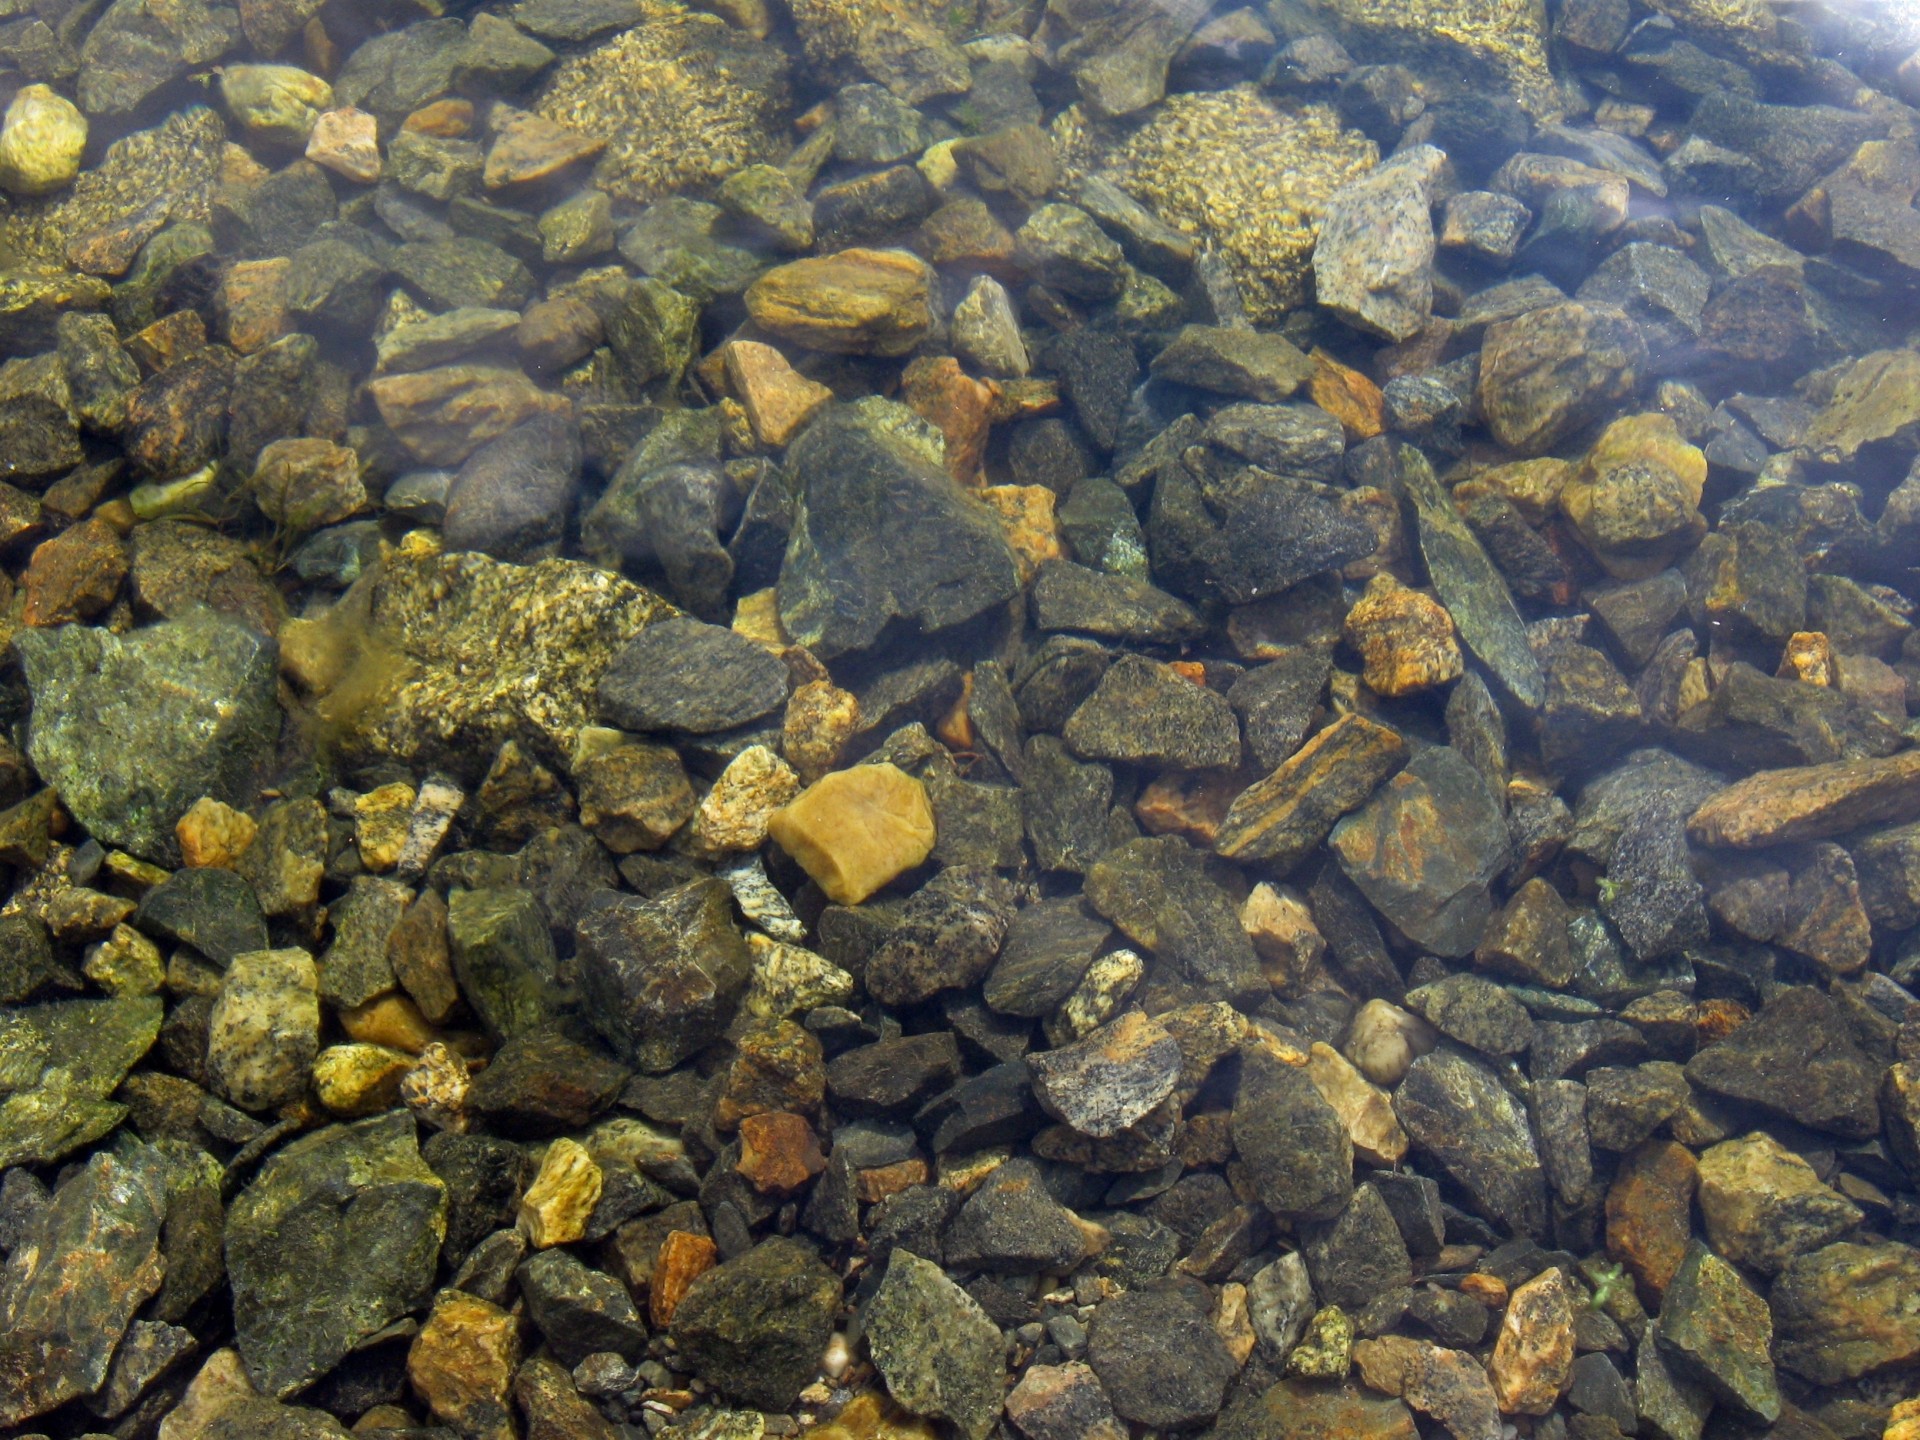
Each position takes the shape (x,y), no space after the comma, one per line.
(1065,805)
(1474,1011)
(662,976)
(503,957)
(513,496)
(891,1077)
(1144,713)
(948,937)
(1796,1060)
(1067,596)
(756,1326)
(211,909)
(580,1311)
(1718,1332)
(1358,1255)
(1291,1141)
(1160,1361)
(1457,1112)
(1159,892)
(681,674)
(1048,947)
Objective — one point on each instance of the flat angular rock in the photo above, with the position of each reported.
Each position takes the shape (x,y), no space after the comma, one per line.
(1846,1310)
(756,1327)
(337,1236)
(1713,1327)
(1106,1081)
(1797,1060)
(1012,1225)
(1812,802)
(935,1347)
(1425,848)
(1066,596)
(1158,891)
(856,302)
(882,533)
(663,976)
(1373,262)
(1533,1357)
(1282,818)
(1244,363)
(1048,947)
(1144,712)
(1291,1140)
(1457,1112)
(68,1057)
(133,730)
(855,830)
(684,675)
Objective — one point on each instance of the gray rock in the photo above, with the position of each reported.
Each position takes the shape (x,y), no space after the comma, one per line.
(337,1236)
(663,976)
(1458,1113)
(580,1311)
(1105,1081)
(1118,51)
(1142,712)
(987,332)
(1012,1225)
(1552,371)
(62,1060)
(949,933)
(1160,1361)
(1715,1329)
(935,1347)
(1797,1060)
(211,909)
(1293,1144)
(1280,1302)
(1373,261)
(1048,947)
(1474,1011)
(1246,363)
(1358,1255)
(756,1326)
(1067,596)
(1159,892)
(1060,246)
(684,675)
(513,496)
(132,730)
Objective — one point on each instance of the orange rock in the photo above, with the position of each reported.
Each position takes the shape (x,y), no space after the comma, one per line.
(75,575)
(1033,533)
(462,1362)
(960,407)
(347,142)
(1188,803)
(855,302)
(1405,639)
(447,119)
(391,1020)
(684,1257)
(1489,1290)
(252,303)
(878,1183)
(778,398)
(1026,399)
(779,1152)
(1533,1357)
(1650,1214)
(1348,396)
(531,147)
(213,834)
(955,729)
(168,340)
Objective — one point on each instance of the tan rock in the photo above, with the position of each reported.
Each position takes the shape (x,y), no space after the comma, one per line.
(391,1020)
(634,796)
(856,302)
(435,1089)
(778,398)
(733,815)
(1449,1385)
(1903,1421)
(820,720)
(1763,1204)
(125,963)
(1233,1323)
(1384,1041)
(354,1080)
(779,1153)
(1192,804)
(462,1362)
(555,1208)
(531,147)
(684,1257)
(443,415)
(1533,1357)
(876,1184)
(1027,514)
(347,142)
(1405,638)
(213,834)
(220,1383)
(418,950)
(854,830)
(380,821)
(1284,936)
(1363,1107)
(1808,658)
(1810,802)
(42,138)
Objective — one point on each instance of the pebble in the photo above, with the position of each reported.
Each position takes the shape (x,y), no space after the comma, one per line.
(42,137)
(1533,1356)
(855,830)
(557,1205)
(854,302)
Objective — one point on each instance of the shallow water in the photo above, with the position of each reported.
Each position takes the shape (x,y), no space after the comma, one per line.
(1079,718)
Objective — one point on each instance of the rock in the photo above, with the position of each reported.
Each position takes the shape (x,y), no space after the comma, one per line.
(1061,247)
(1159,892)
(986,331)
(364,1264)
(1295,1409)
(1292,1141)
(1372,265)
(346,141)
(557,1205)
(1475,1012)
(683,675)
(1550,372)
(173,712)
(1873,401)
(1796,1060)
(778,399)
(1405,639)
(1066,596)
(665,975)
(1457,1112)
(442,415)
(528,148)
(1233,362)
(503,958)
(265,1029)
(42,136)
(1117,54)
(581,1311)
(1144,712)
(854,302)
(1425,848)
(1103,1083)
(1159,1359)
(1358,1255)
(855,830)
(1363,1107)
(1446,1384)
(937,1350)
(681,99)
(304,484)
(513,496)
(1047,950)
(1062,1402)
(462,1362)
(1763,1204)
(1469,584)
(1847,1310)
(75,575)
(1283,817)
(279,104)
(1810,802)
(756,1327)
(1716,1330)
(734,815)
(1533,1356)
(936,559)
(76,1276)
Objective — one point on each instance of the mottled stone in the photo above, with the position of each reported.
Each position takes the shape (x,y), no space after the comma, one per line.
(1763,1204)
(1548,373)
(1846,1310)
(1715,1329)
(937,1350)
(1285,816)
(1533,1356)
(664,975)
(756,1326)
(1457,1112)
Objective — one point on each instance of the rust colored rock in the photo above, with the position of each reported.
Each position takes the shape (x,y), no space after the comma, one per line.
(443,415)
(684,1257)
(778,399)
(75,575)
(1533,1357)
(877,1184)
(1027,514)
(958,406)
(1650,1214)
(1405,639)
(1347,395)
(779,1153)
(857,302)
(1810,802)
(530,147)
(252,303)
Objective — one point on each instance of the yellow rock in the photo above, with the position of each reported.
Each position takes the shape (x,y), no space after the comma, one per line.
(1637,526)
(353,1080)
(820,719)
(125,963)
(856,302)
(1405,639)
(1033,534)
(391,1020)
(380,821)
(212,834)
(462,1362)
(1808,658)
(555,1208)
(855,830)
(41,140)
(1363,1107)
(757,617)
(1533,486)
